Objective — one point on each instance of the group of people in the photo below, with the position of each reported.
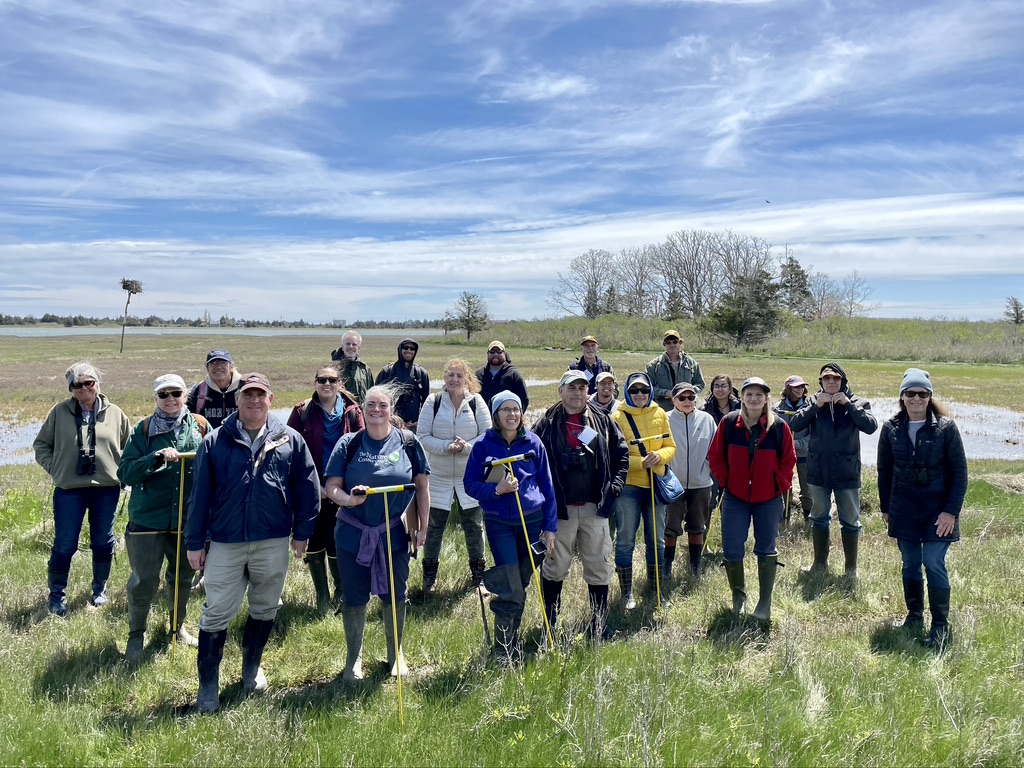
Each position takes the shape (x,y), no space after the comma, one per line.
(367,472)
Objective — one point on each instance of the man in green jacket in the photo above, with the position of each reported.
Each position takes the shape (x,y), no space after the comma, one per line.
(671,368)
(355,374)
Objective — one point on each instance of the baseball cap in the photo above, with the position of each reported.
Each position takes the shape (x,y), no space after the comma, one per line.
(795,381)
(255,381)
(570,376)
(683,386)
(497,344)
(588,340)
(219,354)
(670,334)
(605,375)
(756,381)
(167,381)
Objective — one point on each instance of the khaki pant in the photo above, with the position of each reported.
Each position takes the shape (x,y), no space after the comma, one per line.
(258,567)
(588,533)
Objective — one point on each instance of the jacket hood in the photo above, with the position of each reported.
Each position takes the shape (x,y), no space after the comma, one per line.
(643,378)
(402,343)
(236,380)
(844,385)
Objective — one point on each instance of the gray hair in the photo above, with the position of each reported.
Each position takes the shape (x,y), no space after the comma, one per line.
(358,336)
(82,370)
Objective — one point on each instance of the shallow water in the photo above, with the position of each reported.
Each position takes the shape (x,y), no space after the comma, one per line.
(988,433)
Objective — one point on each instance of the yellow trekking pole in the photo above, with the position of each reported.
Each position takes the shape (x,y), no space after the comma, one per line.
(654,511)
(507,462)
(177,555)
(391,576)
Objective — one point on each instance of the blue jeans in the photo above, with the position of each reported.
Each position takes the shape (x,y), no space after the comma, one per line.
(847,502)
(69,511)
(633,504)
(505,538)
(736,518)
(930,554)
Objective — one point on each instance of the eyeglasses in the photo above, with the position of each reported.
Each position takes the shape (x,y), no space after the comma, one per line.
(639,391)
(510,411)
(86,384)
(175,393)
(327,379)
(720,385)
(672,341)
(408,349)
(831,378)
(495,351)
(686,397)
(912,393)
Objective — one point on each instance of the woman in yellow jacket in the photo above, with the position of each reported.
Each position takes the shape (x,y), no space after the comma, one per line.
(639,417)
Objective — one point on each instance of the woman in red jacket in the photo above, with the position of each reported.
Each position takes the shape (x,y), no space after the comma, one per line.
(752,456)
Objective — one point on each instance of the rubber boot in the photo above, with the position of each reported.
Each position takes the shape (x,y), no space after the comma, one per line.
(599,629)
(940,635)
(652,585)
(552,591)
(354,619)
(476,570)
(626,587)
(696,550)
(184,636)
(767,566)
(137,618)
(850,541)
(430,568)
(318,573)
(57,581)
(507,601)
(734,572)
(100,575)
(211,651)
(339,590)
(819,537)
(670,556)
(913,595)
(396,659)
(254,640)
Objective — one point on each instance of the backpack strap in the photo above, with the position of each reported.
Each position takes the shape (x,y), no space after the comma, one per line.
(304,413)
(201,422)
(437,403)
(408,441)
(201,397)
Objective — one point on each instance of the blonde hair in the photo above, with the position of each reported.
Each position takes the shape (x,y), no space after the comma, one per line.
(472,383)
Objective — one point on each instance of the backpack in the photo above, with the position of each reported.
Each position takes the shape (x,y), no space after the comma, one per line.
(304,416)
(201,422)
(201,398)
(409,441)
(437,404)
(733,423)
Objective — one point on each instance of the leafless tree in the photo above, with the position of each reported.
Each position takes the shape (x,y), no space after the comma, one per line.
(637,273)
(741,256)
(826,300)
(1014,311)
(688,263)
(855,291)
(582,288)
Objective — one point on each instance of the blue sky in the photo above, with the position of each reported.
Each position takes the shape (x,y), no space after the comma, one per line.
(333,159)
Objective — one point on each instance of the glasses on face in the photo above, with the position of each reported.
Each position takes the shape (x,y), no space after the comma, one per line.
(495,352)
(326,379)
(408,349)
(720,385)
(686,397)
(639,391)
(912,393)
(831,378)
(175,393)
(509,411)
(86,384)
(668,342)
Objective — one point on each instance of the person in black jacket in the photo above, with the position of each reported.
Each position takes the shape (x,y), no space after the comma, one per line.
(412,380)
(589,462)
(922,481)
(499,375)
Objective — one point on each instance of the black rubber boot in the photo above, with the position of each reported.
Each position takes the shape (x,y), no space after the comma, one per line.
(254,640)
(354,619)
(318,574)
(430,568)
(339,588)
(137,618)
(476,571)
(913,595)
(670,555)
(100,576)
(626,587)
(552,591)
(57,581)
(734,572)
(696,553)
(850,542)
(507,600)
(940,635)
(211,651)
(819,537)
(599,629)
(767,567)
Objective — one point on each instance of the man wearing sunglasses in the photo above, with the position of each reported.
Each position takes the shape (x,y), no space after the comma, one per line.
(413,380)
(671,368)
(835,417)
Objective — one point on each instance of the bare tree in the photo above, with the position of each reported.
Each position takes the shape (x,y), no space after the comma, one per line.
(1014,311)
(581,289)
(132,287)
(637,271)
(855,291)
(741,256)
(688,262)
(826,300)
(470,313)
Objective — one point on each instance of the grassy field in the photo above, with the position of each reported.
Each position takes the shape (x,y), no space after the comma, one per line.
(832,683)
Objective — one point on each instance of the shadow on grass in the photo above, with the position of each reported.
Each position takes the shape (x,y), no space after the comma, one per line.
(69,674)
(438,603)
(891,638)
(815,584)
(727,630)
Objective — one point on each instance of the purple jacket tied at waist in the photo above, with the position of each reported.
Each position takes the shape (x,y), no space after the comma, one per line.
(371,551)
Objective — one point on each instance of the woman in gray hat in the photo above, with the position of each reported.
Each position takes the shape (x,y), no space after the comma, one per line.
(151,465)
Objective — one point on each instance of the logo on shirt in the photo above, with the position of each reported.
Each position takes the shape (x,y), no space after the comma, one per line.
(393,457)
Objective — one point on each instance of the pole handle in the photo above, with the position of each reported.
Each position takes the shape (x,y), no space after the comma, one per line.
(384,489)
(640,440)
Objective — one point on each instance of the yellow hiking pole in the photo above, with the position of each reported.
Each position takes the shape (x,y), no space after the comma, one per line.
(654,511)
(177,555)
(391,577)
(507,462)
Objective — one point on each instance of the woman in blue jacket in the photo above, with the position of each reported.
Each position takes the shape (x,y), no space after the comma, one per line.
(496,488)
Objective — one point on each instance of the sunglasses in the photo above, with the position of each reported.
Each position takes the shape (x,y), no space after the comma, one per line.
(686,397)
(912,393)
(639,391)
(164,394)
(327,379)
(408,349)
(86,384)
(831,378)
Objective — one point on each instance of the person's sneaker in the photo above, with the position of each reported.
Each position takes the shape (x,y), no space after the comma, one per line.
(98,601)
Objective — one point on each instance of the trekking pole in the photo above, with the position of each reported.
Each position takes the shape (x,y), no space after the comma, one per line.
(391,576)
(177,555)
(654,511)
(707,538)
(507,463)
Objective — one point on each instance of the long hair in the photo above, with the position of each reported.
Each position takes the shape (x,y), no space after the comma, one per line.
(935,408)
(343,393)
(472,382)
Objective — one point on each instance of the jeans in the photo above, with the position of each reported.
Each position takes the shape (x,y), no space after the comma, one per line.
(69,511)
(736,518)
(847,502)
(505,538)
(633,504)
(930,554)
(472,520)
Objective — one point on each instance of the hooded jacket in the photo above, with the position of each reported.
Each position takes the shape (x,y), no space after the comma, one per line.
(414,381)
(651,421)
(916,483)
(786,410)
(241,494)
(356,375)
(591,371)
(56,446)
(611,454)
(507,377)
(313,430)
(218,403)
(693,434)
(833,455)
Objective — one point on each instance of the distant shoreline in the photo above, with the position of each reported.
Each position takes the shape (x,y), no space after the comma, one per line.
(51,331)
